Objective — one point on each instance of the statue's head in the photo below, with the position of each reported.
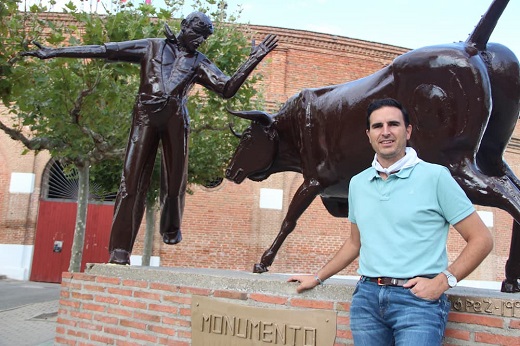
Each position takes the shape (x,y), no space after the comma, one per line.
(199,22)
(195,29)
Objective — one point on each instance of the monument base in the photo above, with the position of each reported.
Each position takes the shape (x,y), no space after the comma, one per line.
(111,304)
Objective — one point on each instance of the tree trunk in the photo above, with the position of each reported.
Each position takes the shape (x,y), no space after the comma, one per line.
(150,230)
(81,219)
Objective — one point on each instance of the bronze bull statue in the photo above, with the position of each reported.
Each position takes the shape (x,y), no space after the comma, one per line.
(463,100)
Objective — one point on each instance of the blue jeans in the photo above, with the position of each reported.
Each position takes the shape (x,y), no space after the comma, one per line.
(389,315)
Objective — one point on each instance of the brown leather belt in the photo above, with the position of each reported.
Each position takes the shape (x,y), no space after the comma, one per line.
(385,281)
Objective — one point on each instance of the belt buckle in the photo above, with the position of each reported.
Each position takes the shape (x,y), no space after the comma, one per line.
(380,282)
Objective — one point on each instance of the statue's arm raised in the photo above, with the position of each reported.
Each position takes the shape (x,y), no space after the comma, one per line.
(257,54)
(88,51)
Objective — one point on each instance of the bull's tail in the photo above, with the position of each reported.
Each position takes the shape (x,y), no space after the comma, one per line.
(262,117)
(480,35)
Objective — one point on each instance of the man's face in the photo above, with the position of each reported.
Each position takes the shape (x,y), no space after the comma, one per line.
(388,135)
(193,36)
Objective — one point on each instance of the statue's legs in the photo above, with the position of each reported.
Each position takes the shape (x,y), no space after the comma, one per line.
(174,174)
(130,201)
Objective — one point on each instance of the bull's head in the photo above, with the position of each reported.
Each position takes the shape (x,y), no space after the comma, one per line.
(257,148)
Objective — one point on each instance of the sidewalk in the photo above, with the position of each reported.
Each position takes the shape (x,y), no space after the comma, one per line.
(28,312)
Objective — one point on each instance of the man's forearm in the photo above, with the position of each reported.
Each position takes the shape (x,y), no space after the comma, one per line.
(240,76)
(89,51)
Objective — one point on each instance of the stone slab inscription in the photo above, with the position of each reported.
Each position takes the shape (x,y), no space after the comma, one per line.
(486,306)
(215,322)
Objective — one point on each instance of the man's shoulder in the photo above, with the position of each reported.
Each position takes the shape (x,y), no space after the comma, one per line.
(431,167)
(367,173)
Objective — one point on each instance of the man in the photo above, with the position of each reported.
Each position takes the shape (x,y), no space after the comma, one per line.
(400,210)
(169,69)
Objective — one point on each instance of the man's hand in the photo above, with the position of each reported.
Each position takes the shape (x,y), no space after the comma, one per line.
(307,282)
(42,52)
(268,44)
(430,289)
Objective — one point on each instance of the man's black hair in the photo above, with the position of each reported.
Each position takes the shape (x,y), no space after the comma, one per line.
(388,102)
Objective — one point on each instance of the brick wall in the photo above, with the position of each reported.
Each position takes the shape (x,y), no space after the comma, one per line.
(114,305)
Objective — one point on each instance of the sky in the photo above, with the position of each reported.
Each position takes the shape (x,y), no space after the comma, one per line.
(404,23)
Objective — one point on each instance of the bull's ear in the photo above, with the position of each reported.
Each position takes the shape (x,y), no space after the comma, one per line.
(259,116)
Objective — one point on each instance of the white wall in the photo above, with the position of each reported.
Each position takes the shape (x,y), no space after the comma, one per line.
(16,260)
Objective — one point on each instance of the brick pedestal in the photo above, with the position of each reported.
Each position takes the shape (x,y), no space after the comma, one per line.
(122,305)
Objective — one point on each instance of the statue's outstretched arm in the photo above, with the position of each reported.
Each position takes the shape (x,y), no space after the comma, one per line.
(88,51)
(257,54)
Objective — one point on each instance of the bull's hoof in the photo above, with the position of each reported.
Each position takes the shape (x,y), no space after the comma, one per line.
(119,256)
(172,238)
(510,286)
(260,268)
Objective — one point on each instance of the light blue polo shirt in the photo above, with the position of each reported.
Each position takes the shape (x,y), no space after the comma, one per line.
(404,220)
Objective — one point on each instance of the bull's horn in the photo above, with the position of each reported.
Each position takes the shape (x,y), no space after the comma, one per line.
(262,117)
(236,134)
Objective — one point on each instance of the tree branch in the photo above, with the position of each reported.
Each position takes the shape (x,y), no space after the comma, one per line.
(37,143)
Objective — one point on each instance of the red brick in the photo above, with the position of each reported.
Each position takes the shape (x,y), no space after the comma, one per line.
(115,330)
(312,304)
(514,324)
(176,321)
(133,304)
(195,291)
(141,316)
(135,283)
(144,337)
(496,339)
(120,291)
(164,287)
(264,298)
(162,330)
(186,300)
(132,324)
(147,295)
(108,280)
(106,299)
(476,319)
(164,308)
(230,295)
(102,339)
(457,334)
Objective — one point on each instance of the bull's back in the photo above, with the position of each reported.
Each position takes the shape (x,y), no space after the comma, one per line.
(447,92)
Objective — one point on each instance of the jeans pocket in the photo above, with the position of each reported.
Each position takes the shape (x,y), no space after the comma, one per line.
(422,299)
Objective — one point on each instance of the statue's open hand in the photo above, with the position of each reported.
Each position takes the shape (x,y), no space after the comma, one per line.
(268,44)
(42,52)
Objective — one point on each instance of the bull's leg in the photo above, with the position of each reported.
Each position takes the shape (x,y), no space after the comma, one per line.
(510,284)
(306,193)
(512,270)
(501,192)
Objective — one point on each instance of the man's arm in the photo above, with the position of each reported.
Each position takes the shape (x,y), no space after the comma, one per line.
(257,54)
(88,51)
(348,252)
(479,243)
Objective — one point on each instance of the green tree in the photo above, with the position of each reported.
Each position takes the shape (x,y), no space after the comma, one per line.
(80,109)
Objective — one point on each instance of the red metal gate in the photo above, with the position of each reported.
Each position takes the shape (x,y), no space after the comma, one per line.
(54,235)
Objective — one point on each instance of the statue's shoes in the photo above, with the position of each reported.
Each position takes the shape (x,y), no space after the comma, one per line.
(172,238)
(119,256)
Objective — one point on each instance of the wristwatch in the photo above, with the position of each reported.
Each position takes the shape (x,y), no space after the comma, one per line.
(452,280)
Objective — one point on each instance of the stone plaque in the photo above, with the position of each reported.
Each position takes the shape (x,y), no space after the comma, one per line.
(216,322)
